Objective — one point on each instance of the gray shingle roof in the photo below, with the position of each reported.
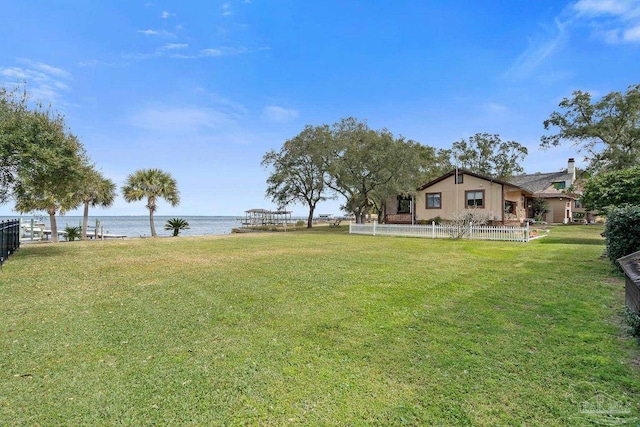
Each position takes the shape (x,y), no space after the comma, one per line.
(542,183)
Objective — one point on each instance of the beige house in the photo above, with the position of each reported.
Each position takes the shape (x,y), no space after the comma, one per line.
(458,190)
(504,201)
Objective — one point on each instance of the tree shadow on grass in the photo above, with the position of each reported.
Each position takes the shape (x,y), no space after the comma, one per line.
(571,241)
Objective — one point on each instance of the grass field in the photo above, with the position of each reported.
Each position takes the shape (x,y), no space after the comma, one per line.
(314,328)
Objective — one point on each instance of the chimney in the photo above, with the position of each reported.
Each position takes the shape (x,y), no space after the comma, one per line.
(571,168)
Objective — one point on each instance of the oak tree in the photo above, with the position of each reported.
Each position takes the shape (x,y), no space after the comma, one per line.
(606,131)
(298,169)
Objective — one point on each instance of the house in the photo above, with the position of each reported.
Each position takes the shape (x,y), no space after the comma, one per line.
(558,189)
(505,201)
(457,190)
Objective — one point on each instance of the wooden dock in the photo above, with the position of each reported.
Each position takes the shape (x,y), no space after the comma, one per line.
(46,235)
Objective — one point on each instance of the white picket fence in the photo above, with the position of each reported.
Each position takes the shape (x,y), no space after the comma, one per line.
(433,231)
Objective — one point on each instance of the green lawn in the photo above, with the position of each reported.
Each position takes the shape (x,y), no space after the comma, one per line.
(313,328)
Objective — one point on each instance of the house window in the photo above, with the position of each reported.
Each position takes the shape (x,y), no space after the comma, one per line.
(433,200)
(559,185)
(459,178)
(404,205)
(510,207)
(579,204)
(475,199)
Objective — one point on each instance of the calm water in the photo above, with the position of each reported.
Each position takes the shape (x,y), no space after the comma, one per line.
(136,226)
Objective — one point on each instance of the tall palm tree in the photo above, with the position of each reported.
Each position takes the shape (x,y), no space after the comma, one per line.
(152,184)
(96,191)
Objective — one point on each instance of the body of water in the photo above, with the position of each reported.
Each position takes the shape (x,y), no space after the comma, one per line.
(138,226)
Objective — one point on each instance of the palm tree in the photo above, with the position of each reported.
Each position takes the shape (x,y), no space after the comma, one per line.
(96,191)
(152,184)
(176,224)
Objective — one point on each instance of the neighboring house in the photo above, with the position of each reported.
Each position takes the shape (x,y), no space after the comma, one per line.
(457,190)
(505,200)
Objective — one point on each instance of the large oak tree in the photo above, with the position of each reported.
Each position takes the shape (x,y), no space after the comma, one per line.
(298,170)
(606,131)
(49,167)
(487,154)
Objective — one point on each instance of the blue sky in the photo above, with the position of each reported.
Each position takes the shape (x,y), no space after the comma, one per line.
(202,89)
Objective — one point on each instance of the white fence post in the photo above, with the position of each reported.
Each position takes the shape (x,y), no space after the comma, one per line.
(513,234)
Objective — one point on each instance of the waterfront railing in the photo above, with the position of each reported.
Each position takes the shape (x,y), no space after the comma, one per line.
(9,238)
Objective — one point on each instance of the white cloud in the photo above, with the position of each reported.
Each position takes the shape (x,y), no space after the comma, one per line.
(19,73)
(48,69)
(162,33)
(632,34)
(149,32)
(175,46)
(165,14)
(277,114)
(232,108)
(226,9)
(494,108)
(44,82)
(186,120)
(613,21)
(223,51)
(596,7)
(538,51)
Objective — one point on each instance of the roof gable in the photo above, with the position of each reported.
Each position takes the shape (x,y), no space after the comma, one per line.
(466,172)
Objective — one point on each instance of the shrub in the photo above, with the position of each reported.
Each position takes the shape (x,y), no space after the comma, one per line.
(633,322)
(437,220)
(460,221)
(300,223)
(73,233)
(176,225)
(540,208)
(622,232)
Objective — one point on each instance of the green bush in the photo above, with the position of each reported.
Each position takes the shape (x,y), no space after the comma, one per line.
(437,220)
(73,233)
(300,223)
(176,224)
(633,322)
(622,232)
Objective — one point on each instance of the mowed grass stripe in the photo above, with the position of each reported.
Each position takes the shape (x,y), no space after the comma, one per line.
(314,327)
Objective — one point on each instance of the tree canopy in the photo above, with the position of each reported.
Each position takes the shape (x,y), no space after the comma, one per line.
(614,188)
(151,184)
(299,171)
(14,116)
(48,164)
(365,165)
(606,131)
(487,154)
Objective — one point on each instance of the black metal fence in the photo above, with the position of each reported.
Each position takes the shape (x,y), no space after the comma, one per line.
(9,238)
